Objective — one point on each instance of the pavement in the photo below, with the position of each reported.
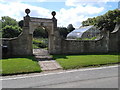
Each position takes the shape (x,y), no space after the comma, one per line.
(100,77)
(45,61)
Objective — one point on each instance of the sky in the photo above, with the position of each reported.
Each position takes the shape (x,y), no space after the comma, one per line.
(67,11)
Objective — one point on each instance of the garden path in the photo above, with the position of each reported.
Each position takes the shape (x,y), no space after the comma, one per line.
(45,61)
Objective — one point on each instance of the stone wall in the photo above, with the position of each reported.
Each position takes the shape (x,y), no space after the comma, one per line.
(22,45)
(18,46)
(110,42)
(114,39)
(84,46)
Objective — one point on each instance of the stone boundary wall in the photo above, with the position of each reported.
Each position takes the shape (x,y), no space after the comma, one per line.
(114,39)
(84,46)
(17,46)
(110,42)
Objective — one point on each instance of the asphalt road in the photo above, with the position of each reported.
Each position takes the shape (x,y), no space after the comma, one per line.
(105,77)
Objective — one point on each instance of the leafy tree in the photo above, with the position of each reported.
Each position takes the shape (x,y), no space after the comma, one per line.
(6,20)
(40,32)
(20,23)
(107,21)
(0,29)
(11,31)
(70,28)
(63,31)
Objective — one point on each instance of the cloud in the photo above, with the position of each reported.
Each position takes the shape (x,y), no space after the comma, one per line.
(76,15)
(73,15)
(16,10)
(88,2)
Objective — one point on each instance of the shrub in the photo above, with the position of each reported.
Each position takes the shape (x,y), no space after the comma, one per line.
(39,43)
(11,31)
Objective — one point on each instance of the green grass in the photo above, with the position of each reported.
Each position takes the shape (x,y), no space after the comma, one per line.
(35,46)
(19,65)
(78,61)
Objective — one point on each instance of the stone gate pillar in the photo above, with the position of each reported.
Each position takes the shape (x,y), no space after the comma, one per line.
(55,37)
(27,37)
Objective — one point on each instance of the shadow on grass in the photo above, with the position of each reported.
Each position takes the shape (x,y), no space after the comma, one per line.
(59,56)
(83,54)
(22,57)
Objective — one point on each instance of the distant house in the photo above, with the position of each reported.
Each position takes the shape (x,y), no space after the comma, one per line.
(84,32)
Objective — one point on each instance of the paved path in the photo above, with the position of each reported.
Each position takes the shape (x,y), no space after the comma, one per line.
(45,61)
(101,77)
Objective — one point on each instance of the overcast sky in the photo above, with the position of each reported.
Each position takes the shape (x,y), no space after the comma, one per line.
(68,11)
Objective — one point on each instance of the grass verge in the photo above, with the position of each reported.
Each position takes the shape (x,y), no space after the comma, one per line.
(78,61)
(19,65)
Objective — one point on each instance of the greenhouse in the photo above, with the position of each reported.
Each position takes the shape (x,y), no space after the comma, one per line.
(84,32)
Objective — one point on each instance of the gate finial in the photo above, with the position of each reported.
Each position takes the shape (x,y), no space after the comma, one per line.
(53,14)
(27,11)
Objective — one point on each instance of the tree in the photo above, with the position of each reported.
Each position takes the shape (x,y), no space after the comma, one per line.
(106,21)
(11,31)
(6,20)
(70,28)
(63,31)
(20,23)
(40,32)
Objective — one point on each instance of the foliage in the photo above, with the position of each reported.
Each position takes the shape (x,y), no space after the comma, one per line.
(0,29)
(20,23)
(11,31)
(64,31)
(106,21)
(6,20)
(78,61)
(40,32)
(19,65)
(10,28)
(40,43)
(70,28)
(35,46)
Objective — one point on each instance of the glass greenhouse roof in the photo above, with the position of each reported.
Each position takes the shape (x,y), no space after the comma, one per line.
(77,33)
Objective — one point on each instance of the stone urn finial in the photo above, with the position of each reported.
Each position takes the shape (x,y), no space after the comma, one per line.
(53,14)
(27,11)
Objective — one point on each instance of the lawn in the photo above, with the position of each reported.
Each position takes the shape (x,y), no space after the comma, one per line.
(19,65)
(78,61)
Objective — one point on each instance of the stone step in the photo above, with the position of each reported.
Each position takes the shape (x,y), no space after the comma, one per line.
(49,65)
(43,58)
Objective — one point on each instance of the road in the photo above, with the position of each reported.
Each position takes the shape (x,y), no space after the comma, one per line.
(102,77)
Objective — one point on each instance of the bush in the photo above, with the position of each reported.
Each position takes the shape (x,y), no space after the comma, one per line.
(39,44)
(6,20)
(40,32)
(11,31)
